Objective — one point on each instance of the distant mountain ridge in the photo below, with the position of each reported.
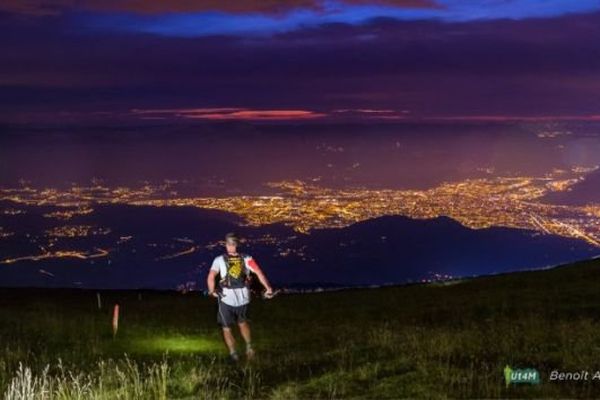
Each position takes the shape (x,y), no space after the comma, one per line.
(395,249)
(164,247)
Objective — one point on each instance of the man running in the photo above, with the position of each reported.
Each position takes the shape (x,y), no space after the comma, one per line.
(233,293)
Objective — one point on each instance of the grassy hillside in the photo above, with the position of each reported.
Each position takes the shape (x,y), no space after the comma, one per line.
(433,341)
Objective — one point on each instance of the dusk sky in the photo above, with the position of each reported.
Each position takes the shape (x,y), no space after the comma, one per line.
(389,60)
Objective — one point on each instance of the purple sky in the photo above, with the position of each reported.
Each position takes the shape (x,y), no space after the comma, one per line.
(105,62)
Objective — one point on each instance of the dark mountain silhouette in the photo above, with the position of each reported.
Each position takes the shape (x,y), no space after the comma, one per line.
(396,249)
(162,248)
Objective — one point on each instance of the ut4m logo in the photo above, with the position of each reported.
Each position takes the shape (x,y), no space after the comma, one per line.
(527,375)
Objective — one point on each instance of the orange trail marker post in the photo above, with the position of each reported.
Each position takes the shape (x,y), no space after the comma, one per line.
(115,320)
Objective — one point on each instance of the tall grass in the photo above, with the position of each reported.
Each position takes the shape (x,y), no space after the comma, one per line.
(126,379)
(111,380)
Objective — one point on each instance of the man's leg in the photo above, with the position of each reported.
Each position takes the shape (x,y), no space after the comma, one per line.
(247,335)
(225,319)
(229,341)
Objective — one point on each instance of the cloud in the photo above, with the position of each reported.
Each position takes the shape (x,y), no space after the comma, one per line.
(518,118)
(230,113)
(186,111)
(531,67)
(55,7)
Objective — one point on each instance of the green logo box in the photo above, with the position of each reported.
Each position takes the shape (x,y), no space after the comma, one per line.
(525,375)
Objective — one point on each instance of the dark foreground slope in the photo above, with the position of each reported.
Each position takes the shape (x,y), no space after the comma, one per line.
(425,341)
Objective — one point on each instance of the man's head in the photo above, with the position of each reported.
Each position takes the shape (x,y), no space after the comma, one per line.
(231,242)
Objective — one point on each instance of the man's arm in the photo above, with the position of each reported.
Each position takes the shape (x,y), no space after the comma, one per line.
(253,266)
(210,282)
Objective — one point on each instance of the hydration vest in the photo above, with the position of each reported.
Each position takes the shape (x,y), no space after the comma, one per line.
(236,276)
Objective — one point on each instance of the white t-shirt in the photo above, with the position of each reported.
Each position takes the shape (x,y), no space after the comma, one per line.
(237,296)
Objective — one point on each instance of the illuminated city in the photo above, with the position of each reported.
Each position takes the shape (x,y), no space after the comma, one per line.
(513,202)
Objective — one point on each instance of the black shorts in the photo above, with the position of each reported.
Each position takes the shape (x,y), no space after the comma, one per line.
(229,315)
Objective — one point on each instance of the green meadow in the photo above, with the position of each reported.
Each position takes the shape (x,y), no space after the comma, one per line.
(439,340)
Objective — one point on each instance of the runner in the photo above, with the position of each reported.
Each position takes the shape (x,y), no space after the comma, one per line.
(233,293)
